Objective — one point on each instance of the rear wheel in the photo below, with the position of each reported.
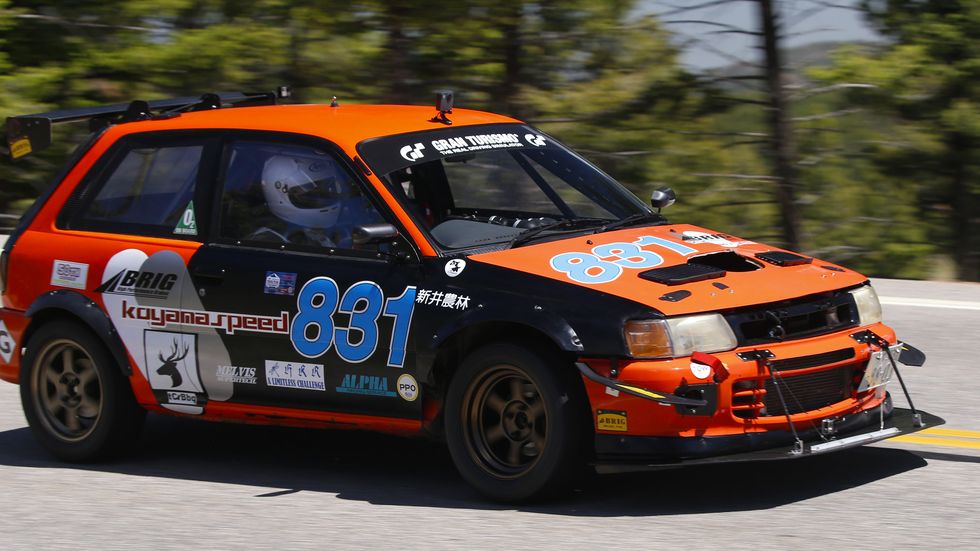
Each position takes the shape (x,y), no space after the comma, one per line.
(517,422)
(75,398)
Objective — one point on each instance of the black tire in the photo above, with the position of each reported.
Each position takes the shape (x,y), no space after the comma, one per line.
(517,422)
(76,400)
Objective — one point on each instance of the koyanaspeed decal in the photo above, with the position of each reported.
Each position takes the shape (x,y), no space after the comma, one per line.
(155,308)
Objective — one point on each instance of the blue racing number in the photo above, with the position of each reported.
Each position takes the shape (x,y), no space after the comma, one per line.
(313,330)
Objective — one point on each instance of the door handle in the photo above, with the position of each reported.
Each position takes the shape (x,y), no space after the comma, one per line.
(214,274)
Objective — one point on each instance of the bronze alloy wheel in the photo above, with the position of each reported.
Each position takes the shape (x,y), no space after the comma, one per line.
(67,389)
(505,422)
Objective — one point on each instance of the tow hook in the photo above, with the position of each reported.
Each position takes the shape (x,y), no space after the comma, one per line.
(828,427)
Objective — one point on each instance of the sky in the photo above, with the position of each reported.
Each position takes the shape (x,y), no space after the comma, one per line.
(704,51)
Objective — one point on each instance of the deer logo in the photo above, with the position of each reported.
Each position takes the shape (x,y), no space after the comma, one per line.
(169,367)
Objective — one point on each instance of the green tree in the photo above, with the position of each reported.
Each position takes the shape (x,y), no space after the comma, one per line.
(927,80)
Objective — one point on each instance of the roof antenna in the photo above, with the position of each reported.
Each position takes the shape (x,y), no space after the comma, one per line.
(444,105)
(333,102)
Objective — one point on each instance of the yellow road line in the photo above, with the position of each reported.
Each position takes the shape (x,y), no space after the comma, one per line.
(915,439)
(940,431)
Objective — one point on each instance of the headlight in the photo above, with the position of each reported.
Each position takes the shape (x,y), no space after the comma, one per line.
(869,309)
(681,336)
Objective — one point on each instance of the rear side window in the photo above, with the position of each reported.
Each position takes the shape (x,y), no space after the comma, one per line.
(145,190)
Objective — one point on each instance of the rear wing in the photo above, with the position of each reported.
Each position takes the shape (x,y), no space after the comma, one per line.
(27,134)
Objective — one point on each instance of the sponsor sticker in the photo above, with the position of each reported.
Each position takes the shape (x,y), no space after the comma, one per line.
(408,387)
(720,239)
(368,385)
(280,283)
(614,420)
(139,283)
(19,148)
(182,398)
(455,267)
(171,359)
(188,221)
(226,321)
(69,274)
(236,374)
(412,152)
(475,142)
(294,375)
(7,344)
(442,299)
(700,370)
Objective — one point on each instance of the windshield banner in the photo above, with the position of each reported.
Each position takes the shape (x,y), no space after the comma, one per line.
(392,153)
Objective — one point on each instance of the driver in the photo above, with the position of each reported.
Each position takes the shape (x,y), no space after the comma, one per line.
(308,193)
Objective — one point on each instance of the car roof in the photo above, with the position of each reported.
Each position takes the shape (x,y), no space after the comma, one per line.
(345,125)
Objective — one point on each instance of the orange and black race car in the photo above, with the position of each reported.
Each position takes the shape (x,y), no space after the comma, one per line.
(448,273)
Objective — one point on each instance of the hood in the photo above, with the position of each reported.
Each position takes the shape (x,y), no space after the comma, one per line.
(677,268)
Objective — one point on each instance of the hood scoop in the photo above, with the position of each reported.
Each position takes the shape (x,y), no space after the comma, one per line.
(700,268)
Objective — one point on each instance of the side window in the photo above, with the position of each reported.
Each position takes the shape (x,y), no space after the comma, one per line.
(148,191)
(276,193)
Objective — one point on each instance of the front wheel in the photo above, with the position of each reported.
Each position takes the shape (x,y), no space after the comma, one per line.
(77,403)
(517,422)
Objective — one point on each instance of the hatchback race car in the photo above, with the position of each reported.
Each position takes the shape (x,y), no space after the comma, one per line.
(449,273)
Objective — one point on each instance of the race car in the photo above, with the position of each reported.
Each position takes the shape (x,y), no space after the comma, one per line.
(448,273)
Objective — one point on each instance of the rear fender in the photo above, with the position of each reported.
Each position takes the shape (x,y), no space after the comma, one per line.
(60,303)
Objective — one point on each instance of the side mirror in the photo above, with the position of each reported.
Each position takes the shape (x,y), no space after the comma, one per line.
(374,233)
(662,198)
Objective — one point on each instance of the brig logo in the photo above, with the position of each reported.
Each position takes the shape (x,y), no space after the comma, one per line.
(139,283)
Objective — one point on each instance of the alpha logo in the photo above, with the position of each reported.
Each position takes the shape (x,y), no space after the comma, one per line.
(408,387)
(7,344)
(607,419)
(412,153)
(139,283)
(69,274)
(294,375)
(455,267)
(236,374)
(368,385)
(536,140)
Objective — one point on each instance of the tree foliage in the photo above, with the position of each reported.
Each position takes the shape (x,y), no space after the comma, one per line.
(597,75)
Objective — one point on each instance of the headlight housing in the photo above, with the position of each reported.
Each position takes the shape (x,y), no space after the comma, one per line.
(868,306)
(681,336)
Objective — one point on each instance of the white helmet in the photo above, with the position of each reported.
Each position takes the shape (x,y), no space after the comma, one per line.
(305,191)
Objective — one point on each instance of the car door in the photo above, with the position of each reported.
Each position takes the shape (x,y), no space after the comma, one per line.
(293,312)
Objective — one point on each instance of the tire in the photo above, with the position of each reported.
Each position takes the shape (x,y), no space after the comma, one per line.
(76,400)
(518,424)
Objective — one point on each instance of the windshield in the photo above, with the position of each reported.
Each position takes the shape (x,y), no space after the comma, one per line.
(483,185)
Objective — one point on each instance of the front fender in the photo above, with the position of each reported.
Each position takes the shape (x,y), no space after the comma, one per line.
(83,308)
(536,317)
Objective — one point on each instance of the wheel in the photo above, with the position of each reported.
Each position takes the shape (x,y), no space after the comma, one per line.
(76,400)
(517,422)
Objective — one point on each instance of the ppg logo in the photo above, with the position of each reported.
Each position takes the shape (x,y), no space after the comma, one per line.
(408,387)
(412,153)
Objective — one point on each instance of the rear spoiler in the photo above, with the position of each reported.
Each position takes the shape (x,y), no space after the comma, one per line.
(27,134)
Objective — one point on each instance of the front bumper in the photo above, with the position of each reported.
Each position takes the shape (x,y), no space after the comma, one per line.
(632,453)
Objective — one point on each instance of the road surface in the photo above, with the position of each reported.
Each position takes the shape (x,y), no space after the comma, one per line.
(197,485)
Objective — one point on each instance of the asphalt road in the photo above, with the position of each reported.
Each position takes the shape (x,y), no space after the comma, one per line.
(198,485)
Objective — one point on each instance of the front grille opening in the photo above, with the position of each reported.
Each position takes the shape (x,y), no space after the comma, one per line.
(760,326)
(728,261)
(758,397)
